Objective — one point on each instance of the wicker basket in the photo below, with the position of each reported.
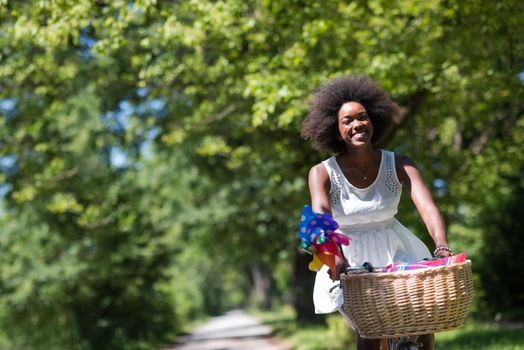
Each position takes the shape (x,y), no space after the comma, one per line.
(407,303)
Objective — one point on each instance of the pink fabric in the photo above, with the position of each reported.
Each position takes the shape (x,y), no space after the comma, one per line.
(403,266)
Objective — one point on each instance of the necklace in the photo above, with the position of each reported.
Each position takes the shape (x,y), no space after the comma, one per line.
(365,176)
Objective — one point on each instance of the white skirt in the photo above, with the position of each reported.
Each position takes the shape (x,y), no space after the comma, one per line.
(380,244)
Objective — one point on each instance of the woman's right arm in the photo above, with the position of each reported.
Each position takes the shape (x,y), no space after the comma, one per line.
(319,187)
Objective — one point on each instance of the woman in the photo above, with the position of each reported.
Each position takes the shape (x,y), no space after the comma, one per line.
(361,185)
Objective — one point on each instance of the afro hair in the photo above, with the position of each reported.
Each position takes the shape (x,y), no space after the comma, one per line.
(321,124)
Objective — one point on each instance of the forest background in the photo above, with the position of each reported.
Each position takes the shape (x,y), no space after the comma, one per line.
(152,169)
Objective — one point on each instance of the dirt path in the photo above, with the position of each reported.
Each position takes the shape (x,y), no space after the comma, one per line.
(235,330)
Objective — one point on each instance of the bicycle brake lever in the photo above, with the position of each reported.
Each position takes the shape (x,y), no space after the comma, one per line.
(368,266)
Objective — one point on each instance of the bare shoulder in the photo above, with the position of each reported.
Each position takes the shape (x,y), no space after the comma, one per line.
(402,165)
(403,161)
(318,173)
(319,188)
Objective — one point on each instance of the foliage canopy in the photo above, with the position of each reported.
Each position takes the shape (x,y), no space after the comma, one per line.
(151,157)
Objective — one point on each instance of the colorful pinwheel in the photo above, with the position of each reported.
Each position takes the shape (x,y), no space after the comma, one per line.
(318,236)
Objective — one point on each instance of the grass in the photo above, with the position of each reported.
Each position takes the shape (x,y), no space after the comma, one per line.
(334,334)
(481,336)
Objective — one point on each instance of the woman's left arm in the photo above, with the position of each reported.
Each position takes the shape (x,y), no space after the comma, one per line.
(409,176)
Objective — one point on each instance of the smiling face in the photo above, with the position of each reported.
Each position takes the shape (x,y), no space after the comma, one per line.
(354,125)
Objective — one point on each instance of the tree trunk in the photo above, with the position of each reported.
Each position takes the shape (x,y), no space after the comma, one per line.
(303,281)
(262,283)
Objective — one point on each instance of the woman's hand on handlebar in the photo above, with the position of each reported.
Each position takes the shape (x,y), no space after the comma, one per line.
(341,267)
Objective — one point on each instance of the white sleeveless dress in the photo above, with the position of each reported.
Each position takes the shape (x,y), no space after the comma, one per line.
(367,216)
